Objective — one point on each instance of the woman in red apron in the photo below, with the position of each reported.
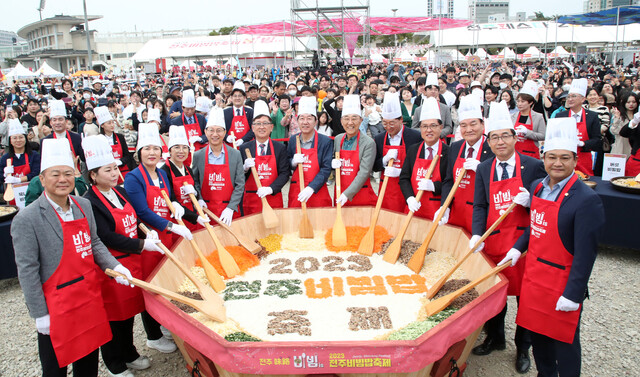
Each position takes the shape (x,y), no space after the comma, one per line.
(462,205)
(348,171)
(524,126)
(267,168)
(430,202)
(311,168)
(20,164)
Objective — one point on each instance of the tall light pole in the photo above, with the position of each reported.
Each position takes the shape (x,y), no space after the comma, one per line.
(86,30)
(395,36)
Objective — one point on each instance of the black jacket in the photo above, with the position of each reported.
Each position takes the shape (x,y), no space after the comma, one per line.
(282,160)
(228,117)
(594,144)
(456,149)
(406,175)
(410,137)
(127,157)
(169,167)
(336,115)
(76,141)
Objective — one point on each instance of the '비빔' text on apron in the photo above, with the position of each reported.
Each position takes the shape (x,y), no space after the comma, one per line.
(311,168)
(157,204)
(429,202)
(585,160)
(526,146)
(462,205)
(501,194)
(349,171)
(116,149)
(546,272)
(217,186)
(267,168)
(120,301)
(79,322)
(239,124)
(393,199)
(20,171)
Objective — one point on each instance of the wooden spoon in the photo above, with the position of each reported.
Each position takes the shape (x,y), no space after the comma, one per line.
(339,232)
(234,143)
(268,214)
(393,251)
(306,229)
(368,240)
(8,192)
(252,246)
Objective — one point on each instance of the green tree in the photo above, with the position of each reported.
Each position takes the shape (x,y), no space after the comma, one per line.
(539,16)
(226,30)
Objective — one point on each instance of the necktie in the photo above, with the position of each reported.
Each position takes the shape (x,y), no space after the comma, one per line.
(505,174)
(470,152)
(238,112)
(190,121)
(577,116)
(430,156)
(262,151)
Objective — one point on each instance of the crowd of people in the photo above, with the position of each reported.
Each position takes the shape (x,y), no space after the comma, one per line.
(503,133)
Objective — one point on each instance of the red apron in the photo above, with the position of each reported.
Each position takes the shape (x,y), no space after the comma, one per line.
(73,151)
(310,168)
(546,273)
(429,202)
(526,146)
(268,172)
(585,160)
(462,205)
(122,302)
(156,203)
(184,200)
(165,151)
(217,186)
(20,171)
(501,194)
(239,124)
(633,164)
(393,199)
(116,149)
(348,172)
(79,322)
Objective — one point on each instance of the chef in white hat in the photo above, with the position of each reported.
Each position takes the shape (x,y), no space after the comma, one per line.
(529,125)
(466,153)
(588,126)
(192,122)
(432,90)
(393,144)
(357,156)
(419,157)
(124,158)
(58,122)
(316,152)
(566,221)
(203,106)
(270,160)
(238,117)
(20,163)
(217,171)
(57,268)
(501,181)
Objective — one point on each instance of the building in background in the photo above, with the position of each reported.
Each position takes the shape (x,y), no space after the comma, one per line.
(480,10)
(440,8)
(598,5)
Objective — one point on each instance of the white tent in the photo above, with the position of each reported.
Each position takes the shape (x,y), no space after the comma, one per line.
(507,53)
(377,58)
(406,56)
(532,53)
(560,52)
(210,62)
(21,72)
(481,53)
(429,57)
(232,62)
(46,71)
(457,55)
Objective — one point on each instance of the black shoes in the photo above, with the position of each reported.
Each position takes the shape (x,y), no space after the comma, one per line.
(488,346)
(523,363)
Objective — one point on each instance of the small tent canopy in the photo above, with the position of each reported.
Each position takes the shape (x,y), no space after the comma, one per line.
(46,71)
(532,53)
(405,56)
(232,62)
(481,53)
(507,53)
(457,55)
(377,58)
(560,52)
(21,72)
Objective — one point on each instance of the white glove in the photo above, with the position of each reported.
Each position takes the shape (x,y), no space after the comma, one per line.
(264,191)
(445,217)
(342,199)
(182,231)
(426,185)
(239,142)
(580,143)
(305,194)
(390,171)
(393,153)
(472,243)
(226,216)
(13,180)
(230,139)
(153,235)
(203,220)
(471,164)
(151,244)
(8,170)
(635,121)
(413,204)
(194,139)
(43,323)
(298,158)
(188,189)
(118,162)
(521,130)
(513,255)
(124,271)
(336,163)
(178,211)
(566,305)
(522,198)
(165,156)
(249,163)
(202,204)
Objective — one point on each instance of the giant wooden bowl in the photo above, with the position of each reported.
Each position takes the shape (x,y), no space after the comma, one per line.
(429,355)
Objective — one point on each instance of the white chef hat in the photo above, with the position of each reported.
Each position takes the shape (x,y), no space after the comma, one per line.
(351,105)
(102,114)
(391,106)
(579,86)
(432,79)
(430,109)
(188,98)
(260,108)
(238,85)
(16,128)
(530,87)
(57,108)
(499,117)
(479,94)
(153,114)
(148,134)
(562,133)
(55,152)
(177,136)
(216,118)
(97,151)
(307,105)
(475,83)
(203,104)
(469,108)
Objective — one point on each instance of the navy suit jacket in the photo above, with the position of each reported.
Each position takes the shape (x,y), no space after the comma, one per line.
(456,149)
(410,136)
(594,144)
(228,116)
(406,175)
(580,223)
(530,170)
(76,141)
(325,154)
(284,164)
(177,121)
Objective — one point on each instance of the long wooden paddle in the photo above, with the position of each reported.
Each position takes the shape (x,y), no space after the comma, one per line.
(417,260)
(368,240)
(339,232)
(443,302)
(212,275)
(306,229)
(212,310)
(268,214)
(393,251)
(205,291)
(229,265)
(252,246)
(234,142)
(436,287)
(8,192)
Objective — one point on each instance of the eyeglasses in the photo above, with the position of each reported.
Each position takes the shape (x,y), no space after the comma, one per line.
(262,124)
(506,137)
(574,96)
(432,126)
